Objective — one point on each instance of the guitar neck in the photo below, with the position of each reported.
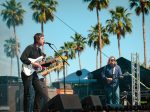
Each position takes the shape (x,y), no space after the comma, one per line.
(58,66)
(44,73)
(52,60)
(47,61)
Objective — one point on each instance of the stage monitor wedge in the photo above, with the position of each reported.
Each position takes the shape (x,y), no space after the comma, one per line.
(64,103)
(91,101)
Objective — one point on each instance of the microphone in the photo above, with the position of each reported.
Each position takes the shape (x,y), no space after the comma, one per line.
(48,43)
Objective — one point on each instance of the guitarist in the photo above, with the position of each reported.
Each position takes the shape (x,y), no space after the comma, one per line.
(32,81)
(110,75)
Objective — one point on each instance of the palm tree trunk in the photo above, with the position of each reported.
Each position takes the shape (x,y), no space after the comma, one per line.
(50,79)
(42,30)
(79,60)
(57,74)
(17,55)
(99,36)
(18,66)
(144,40)
(97,59)
(11,67)
(118,37)
(66,70)
(17,52)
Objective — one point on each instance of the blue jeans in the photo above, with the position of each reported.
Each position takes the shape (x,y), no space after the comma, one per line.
(112,95)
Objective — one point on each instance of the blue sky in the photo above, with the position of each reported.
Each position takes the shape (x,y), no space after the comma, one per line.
(77,16)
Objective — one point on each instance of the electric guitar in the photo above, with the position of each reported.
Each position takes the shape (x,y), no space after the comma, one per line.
(47,65)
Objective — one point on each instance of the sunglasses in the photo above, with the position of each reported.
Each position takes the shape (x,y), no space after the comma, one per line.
(112,60)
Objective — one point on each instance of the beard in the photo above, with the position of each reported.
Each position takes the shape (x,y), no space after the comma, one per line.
(112,64)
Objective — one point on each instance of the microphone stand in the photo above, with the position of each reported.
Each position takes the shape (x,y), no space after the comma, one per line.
(64,61)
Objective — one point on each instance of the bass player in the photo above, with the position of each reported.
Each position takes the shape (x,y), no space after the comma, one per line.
(110,75)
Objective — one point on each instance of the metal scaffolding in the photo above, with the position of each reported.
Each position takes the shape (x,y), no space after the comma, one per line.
(135,71)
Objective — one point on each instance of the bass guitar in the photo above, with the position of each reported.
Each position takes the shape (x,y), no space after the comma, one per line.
(117,77)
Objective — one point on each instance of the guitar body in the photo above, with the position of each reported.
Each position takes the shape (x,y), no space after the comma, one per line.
(28,69)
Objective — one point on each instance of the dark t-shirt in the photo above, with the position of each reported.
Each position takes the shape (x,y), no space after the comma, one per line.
(30,51)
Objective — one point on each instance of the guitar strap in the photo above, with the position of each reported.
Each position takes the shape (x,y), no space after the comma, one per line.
(114,69)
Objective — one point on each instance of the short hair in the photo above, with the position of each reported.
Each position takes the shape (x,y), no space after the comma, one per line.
(110,58)
(37,37)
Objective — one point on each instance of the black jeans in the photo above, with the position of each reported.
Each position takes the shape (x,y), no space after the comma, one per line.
(40,90)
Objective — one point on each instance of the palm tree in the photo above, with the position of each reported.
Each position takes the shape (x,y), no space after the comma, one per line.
(10,50)
(66,50)
(80,43)
(98,5)
(43,11)
(13,15)
(93,39)
(58,70)
(69,51)
(141,7)
(119,24)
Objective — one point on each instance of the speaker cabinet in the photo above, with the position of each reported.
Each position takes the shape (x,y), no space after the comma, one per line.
(64,103)
(91,102)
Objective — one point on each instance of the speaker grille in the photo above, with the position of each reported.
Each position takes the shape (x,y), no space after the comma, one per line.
(65,102)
